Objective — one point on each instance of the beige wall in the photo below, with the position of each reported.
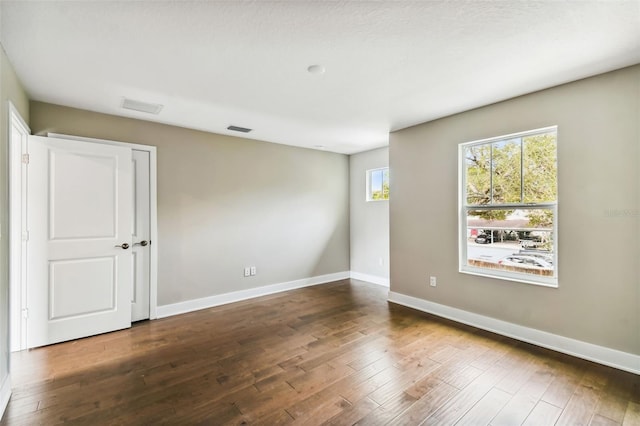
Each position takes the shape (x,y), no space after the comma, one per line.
(598,299)
(225,203)
(10,90)
(369,220)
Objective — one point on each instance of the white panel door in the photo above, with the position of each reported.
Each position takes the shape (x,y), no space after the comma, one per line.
(141,232)
(79,200)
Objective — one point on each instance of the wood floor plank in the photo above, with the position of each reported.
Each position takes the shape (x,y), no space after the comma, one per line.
(524,401)
(543,414)
(408,377)
(337,353)
(464,400)
(486,409)
(319,378)
(261,404)
(391,409)
(372,383)
(580,408)
(428,404)
(632,414)
(598,420)
(317,408)
(564,385)
(615,398)
(461,377)
(277,418)
(353,414)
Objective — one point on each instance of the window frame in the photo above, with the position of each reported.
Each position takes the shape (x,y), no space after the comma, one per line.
(369,194)
(464,207)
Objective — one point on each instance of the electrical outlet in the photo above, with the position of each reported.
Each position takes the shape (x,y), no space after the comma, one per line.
(253,270)
(247,271)
(432,281)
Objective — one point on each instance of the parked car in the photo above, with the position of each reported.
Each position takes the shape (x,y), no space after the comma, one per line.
(525,261)
(483,239)
(531,242)
(547,257)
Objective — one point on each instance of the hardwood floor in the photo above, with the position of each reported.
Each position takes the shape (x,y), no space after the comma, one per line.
(335,354)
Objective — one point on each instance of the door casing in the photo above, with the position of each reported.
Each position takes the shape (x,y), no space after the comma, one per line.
(18,141)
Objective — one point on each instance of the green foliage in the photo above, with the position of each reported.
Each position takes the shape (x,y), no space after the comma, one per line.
(506,160)
(478,161)
(491,214)
(540,218)
(520,170)
(540,168)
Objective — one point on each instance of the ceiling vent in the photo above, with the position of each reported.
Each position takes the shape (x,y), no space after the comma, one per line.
(141,106)
(239,129)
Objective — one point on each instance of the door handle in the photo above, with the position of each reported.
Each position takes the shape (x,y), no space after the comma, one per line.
(142,243)
(123,246)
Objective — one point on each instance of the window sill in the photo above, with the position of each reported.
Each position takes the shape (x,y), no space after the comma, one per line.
(550,282)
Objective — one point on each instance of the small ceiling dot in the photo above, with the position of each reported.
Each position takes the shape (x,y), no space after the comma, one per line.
(315,69)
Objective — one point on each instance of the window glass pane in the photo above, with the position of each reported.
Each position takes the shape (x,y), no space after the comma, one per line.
(478,174)
(376,184)
(506,171)
(540,168)
(385,184)
(519,241)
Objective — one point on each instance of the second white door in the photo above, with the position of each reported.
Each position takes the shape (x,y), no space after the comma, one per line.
(141,236)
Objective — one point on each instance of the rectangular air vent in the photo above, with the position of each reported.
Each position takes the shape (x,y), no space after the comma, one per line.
(141,106)
(239,129)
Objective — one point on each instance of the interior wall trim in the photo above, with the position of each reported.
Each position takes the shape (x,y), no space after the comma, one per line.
(373,279)
(237,296)
(602,355)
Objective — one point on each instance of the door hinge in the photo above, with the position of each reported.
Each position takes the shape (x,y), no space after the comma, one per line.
(25,313)
(25,158)
(25,236)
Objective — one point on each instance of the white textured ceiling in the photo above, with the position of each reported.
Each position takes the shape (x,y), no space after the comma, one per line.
(389,64)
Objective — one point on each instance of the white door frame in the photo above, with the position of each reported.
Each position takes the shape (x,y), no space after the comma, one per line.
(17,230)
(153,210)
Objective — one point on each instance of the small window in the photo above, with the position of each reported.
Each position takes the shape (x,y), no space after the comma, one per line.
(508,207)
(378,184)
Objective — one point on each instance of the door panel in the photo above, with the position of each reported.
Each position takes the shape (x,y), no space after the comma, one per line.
(79,211)
(70,297)
(68,215)
(141,231)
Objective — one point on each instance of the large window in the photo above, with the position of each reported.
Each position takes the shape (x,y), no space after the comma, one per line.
(378,184)
(508,207)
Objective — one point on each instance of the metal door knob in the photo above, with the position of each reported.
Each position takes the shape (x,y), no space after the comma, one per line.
(142,243)
(124,246)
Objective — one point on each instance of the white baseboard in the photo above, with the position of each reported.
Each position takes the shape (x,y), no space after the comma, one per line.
(237,296)
(600,354)
(373,279)
(5,394)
